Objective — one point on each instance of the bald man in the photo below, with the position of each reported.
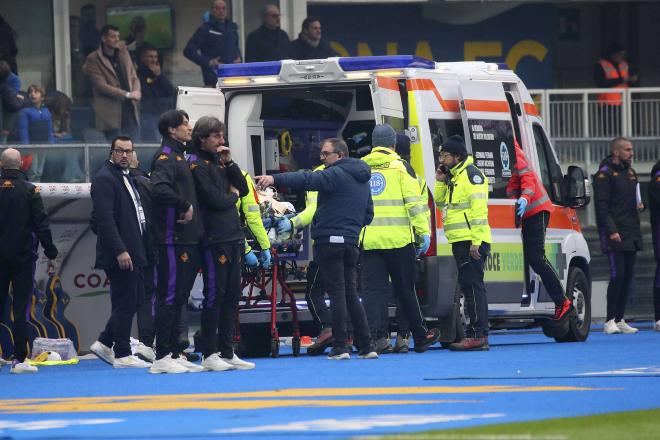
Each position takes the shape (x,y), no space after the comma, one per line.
(22,215)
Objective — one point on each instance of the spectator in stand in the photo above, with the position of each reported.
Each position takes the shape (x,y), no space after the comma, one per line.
(10,99)
(89,34)
(157,93)
(34,125)
(115,86)
(60,109)
(8,49)
(310,45)
(214,42)
(135,41)
(268,42)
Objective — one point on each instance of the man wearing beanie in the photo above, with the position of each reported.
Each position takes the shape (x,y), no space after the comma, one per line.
(400,221)
(461,192)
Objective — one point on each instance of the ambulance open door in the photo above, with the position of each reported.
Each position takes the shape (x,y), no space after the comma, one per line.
(201,101)
(388,106)
(489,133)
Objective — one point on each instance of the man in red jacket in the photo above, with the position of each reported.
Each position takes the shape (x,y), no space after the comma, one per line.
(534,206)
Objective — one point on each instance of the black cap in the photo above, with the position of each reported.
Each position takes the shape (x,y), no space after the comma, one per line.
(402,145)
(454,145)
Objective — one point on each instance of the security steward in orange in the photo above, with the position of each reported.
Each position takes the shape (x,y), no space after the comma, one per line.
(534,207)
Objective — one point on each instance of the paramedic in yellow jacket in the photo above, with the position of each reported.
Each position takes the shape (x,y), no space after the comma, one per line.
(461,192)
(400,220)
(248,206)
(315,291)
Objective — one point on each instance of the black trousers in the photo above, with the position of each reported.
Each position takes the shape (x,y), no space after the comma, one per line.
(622,271)
(471,281)
(315,296)
(533,238)
(221,269)
(338,263)
(125,289)
(147,306)
(20,275)
(378,267)
(177,269)
(656,290)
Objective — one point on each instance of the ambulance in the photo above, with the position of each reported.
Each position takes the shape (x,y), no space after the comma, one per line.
(277,113)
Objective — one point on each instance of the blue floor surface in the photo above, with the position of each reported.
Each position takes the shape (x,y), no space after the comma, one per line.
(524,376)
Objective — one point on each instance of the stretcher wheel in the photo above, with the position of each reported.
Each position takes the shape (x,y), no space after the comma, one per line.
(274,348)
(295,345)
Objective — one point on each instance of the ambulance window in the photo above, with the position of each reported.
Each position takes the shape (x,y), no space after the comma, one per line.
(396,123)
(493,152)
(551,175)
(363,100)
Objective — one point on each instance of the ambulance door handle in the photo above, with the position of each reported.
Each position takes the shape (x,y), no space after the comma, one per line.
(462,105)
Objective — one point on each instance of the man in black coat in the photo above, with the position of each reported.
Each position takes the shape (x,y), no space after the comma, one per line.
(654,207)
(120,225)
(617,215)
(157,93)
(268,42)
(310,45)
(22,216)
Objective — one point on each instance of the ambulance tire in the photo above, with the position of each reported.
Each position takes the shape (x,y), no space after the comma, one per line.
(458,321)
(579,290)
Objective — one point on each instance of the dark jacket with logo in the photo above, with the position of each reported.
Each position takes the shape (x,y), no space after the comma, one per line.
(23,219)
(654,208)
(172,193)
(213,39)
(615,188)
(117,226)
(344,199)
(222,223)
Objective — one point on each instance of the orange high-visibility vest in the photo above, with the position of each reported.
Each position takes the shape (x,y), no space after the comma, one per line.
(611,72)
(524,182)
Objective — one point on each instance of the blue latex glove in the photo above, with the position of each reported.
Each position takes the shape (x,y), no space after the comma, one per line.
(425,245)
(284,225)
(251,259)
(522,206)
(265,258)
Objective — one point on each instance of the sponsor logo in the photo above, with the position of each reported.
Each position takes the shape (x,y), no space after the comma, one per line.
(506,160)
(222,259)
(184,257)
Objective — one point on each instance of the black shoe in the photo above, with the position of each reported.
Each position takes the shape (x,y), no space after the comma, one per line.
(383,346)
(323,341)
(421,345)
(339,354)
(369,352)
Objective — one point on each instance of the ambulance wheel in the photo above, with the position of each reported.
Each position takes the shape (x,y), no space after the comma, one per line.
(295,346)
(579,290)
(274,348)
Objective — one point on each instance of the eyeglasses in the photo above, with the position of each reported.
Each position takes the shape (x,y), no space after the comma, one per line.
(325,154)
(444,154)
(122,152)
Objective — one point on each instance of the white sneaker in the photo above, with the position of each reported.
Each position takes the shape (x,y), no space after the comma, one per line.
(130,362)
(239,364)
(656,327)
(625,328)
(167,365)
(145,353)
(192,368)
(22,367)
(611,328)
(216,363)
(103,352)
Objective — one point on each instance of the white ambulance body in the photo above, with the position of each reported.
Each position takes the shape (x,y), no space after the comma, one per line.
(265,104)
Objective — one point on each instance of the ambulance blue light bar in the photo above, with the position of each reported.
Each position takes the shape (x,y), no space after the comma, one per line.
(249,69)
(385,62)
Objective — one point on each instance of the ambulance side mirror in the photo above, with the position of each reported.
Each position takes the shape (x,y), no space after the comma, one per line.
(577,188)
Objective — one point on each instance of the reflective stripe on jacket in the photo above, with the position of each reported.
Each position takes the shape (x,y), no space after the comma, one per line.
(612,72)
(249,206)
(304,217)
(463,199)
(524,182)
(400,213)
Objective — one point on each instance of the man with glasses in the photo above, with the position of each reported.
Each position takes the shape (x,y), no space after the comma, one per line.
(120,225)
(268,42)
(344,208)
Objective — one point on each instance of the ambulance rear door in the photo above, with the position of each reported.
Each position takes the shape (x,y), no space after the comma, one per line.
(388,105)
(489,138)
(201,101)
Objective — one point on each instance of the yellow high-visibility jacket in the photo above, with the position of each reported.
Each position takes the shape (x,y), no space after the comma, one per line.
(304,217)
(400,213)
(463,200)
(249,207)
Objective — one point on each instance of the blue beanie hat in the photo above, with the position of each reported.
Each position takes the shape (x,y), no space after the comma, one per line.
(454,145)
(383,136)
(402,145)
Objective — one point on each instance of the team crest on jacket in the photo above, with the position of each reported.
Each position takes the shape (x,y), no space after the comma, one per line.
(7,184)
(477,179)
(222,259)
(377,184)
(162,157)
(184,257)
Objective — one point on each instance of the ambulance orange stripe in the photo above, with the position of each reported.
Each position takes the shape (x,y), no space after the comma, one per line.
(531,109)
(427,84)
(480,105)
(387,83)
